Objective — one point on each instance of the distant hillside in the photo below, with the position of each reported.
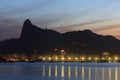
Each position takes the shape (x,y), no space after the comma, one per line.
(46,40)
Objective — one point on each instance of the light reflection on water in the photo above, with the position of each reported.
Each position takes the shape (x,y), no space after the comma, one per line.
(116,73)
(56,73)
(43,70)
(89,73)
(60,71)
(49,71)
(76,71)
(103,73)
(69,71)
(84,72)
(109,73)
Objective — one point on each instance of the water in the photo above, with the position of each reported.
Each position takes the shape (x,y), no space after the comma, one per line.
(59,71)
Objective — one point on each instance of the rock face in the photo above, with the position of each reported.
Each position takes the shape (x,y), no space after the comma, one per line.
(46,40)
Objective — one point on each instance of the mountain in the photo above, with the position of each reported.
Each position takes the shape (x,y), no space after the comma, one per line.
(46,40)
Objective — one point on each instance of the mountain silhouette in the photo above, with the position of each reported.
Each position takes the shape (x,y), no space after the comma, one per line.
(44,41)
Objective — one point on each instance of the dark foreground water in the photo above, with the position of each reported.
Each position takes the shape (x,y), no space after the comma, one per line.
(59,71)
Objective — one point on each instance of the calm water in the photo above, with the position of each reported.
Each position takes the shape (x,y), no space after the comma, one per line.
(59,71)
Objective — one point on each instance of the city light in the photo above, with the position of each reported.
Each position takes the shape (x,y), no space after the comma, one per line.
(56,58)
(55,49)
(96,58)
(62,51)
(49,58)
(69,58)
(43,58)
(63,58)
(109,58)
(89,58)
(83,58)
(116,58)
(103,58)
(76,58)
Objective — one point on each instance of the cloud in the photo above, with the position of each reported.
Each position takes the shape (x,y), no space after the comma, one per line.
(109,27)
(113,30)
(78,25)
(48,13)
(9,28)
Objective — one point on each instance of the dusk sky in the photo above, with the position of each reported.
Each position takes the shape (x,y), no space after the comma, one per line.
(100,16)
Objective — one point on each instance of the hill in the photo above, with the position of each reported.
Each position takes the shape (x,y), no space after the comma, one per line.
(46,40)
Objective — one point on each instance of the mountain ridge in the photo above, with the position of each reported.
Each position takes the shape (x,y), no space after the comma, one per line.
(46,40)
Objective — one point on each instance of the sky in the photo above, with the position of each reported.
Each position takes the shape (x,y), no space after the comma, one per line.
(100,16)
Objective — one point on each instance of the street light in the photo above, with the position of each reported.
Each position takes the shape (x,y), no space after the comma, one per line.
(109,59)
(63,58)
(76,58)
(56,58)
(43,58)
(69,58)
(89,58)
(49,58)
(83,58)
(116,58)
